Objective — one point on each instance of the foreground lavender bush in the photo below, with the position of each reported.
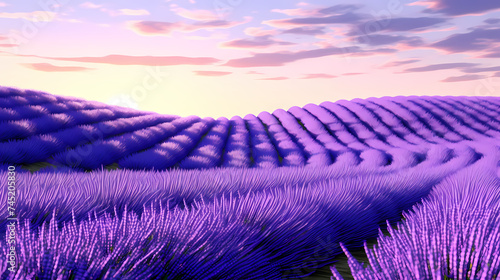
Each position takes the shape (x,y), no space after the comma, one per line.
(258,235)
(455,234)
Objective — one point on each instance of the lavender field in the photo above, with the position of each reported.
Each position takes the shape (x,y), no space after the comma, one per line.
(106,192)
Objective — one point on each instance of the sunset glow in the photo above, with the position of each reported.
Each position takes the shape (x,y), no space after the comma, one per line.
(224,58)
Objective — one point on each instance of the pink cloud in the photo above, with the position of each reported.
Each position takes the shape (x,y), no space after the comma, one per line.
(137,60)
(90,5)
(254,73)
(166,28)
(129,12)
(46,67)
(295,12)
(318,76)
(3,4)
(8,45)
(36,16)
(199,15)
(352,74)
(212,73)
(275,78)
(258,31)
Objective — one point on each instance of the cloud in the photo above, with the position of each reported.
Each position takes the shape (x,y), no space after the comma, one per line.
(3,38)
(478,39)
(8,45)
(36,16)
(166,28)
(334,19)
(90,5)
(256,42)
(199,15)
(481,69)
(212,73)
(257,31)
(352,74)
(463,78)
(397,24)
(463,7)
(442,66)
(282,58)
(495,53)
(492,21)
(3,4)
(305,31)
(254,73)
(318,76)
(337,9)
(46,67)
(382,39)
(138,60)
(497,74)
(400,62)
(129,12)
(275,79)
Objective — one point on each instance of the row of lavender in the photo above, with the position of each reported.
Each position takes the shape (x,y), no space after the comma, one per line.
(38,127)
(454,234)
(216,224)
(101,191)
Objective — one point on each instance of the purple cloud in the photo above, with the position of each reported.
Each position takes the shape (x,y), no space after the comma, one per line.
(478,39)
(382,39)
(334,19)
(497,74)
(442,66)
(339,9)
(463,7)
(282,58)
(397,24)
(481,69)
(492,21)
(256,42)
(312,31)
(492,53)
(463,78)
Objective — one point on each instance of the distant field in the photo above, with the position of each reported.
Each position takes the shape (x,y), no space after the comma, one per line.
(105,192)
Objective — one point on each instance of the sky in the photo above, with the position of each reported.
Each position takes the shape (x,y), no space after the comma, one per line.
(218,58)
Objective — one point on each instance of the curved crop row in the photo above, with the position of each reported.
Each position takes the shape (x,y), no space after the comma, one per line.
(38,148)
(107,151)
(454,234)
(171,151)
(208,152)
(288,150)
(264,153)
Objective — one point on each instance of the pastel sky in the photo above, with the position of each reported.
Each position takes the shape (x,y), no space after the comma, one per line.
(235,57)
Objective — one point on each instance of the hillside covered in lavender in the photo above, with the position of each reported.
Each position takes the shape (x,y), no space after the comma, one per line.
(106,192)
